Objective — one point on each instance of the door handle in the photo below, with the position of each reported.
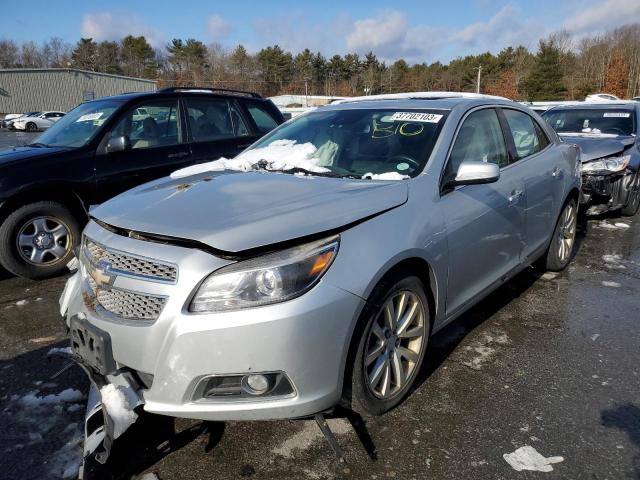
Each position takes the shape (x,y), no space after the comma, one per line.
(178,155)
(515,196)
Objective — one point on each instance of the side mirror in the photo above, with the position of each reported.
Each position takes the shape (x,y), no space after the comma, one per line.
(118,144)
(473,173)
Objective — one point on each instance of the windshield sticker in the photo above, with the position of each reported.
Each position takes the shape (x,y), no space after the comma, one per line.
(416,117)
(402,166)
(88,117)
(617,115)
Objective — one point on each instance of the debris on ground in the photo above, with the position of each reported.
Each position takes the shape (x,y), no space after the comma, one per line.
(528,458)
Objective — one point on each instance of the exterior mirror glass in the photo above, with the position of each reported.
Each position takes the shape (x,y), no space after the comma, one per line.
(118,144)
(472,173)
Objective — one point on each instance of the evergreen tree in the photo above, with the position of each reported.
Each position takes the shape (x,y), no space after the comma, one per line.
(108,58)
(84,55)
(545,82)
(138,57)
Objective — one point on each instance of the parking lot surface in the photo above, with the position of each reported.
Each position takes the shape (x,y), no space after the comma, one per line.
(548,361)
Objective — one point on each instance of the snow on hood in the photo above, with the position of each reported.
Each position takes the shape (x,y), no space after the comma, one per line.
(279,155)
(385,176)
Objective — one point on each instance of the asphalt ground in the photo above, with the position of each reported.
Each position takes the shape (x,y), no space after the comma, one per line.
(547,361)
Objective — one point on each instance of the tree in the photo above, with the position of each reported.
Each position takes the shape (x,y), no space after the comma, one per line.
(545,82)
(505,85)
(85,54)
(617,76)
(108,58)
(276,67)
(8,53)
(137,57)
(30,56)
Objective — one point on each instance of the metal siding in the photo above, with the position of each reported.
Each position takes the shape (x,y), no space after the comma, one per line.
(27,90)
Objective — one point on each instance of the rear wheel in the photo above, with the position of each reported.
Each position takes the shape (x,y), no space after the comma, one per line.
(31,127)
(564,236)
(37,240)
(391,346)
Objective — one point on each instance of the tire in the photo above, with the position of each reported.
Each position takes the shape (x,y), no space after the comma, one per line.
(31,127)
(632,206)
(397,356)
(560,251)
(47,232)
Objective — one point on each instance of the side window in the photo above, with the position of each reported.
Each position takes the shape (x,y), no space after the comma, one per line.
(479,139)
(151,125)
(524,132)
(264,121)
(542,136)
(214,119)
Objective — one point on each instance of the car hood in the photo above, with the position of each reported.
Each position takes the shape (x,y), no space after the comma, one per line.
(22,153)
(593,147)
(237,211)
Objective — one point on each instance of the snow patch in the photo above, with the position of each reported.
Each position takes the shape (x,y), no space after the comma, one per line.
(149,476)
(21,303)
(310,434)
(606,283)
(119,402)
(70,395)
(59,350)
(385,176)
(278,155)
(612,226)
(528,458)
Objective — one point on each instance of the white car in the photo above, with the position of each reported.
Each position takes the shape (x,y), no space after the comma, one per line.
(600,97)
(39,122)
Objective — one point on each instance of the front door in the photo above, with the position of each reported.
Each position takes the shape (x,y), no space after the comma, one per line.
(485,223)
(157,147)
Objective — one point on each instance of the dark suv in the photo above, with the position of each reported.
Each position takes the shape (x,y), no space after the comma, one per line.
(107,146)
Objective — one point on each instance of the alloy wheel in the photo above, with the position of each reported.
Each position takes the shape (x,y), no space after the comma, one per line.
(567,232)
(44,240)
(394,344)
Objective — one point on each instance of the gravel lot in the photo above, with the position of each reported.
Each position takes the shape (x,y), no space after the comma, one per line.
(549,361)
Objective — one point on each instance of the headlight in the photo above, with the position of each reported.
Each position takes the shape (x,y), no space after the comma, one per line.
(272,278)
(613,164)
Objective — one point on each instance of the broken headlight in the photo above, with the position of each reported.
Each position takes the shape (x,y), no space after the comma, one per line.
(611,164)
(272,278)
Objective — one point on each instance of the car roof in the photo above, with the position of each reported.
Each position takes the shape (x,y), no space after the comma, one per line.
(422,100)
(196,91)
(619,104)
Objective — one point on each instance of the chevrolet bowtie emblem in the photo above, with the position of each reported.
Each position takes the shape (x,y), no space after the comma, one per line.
(100,276)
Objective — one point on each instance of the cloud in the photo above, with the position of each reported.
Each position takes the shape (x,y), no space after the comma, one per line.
(218,27)
(106,26)
(603,15)
(386,29)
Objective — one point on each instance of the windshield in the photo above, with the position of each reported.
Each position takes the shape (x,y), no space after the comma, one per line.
(388,143)
(592,121)
(78,126)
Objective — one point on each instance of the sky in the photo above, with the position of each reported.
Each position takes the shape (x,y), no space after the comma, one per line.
(419,31)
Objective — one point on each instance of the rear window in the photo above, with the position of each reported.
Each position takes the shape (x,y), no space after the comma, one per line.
(608,121)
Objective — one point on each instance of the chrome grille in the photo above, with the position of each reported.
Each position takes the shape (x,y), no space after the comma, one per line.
(130,265)
(125,304)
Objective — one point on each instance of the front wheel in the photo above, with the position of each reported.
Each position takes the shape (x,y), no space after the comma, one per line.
(633,204)
(391,346)
(37,240)
(31,127)
(564,236)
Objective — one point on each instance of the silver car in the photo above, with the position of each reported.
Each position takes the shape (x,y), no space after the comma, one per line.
(311,270)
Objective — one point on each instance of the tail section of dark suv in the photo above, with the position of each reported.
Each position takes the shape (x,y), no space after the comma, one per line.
(107,146)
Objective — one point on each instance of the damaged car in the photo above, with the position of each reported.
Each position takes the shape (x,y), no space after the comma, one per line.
(607,134)
(311,270)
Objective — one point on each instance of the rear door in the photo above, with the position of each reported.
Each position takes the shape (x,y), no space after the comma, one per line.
(542,171)
(217,127)
(157,147)
(485,223)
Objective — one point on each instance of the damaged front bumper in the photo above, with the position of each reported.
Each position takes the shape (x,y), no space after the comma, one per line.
(606,191)
(91,351)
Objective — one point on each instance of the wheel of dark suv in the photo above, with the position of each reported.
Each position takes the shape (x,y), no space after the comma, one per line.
(560,249)
(37,240)
(631,208)
(31,127)
(391,344)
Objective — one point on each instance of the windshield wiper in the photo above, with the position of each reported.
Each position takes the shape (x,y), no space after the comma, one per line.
(38,145)
(264,165)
